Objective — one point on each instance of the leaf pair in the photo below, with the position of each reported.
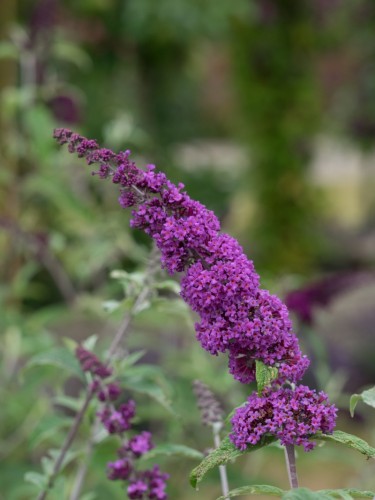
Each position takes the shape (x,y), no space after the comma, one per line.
(227,452)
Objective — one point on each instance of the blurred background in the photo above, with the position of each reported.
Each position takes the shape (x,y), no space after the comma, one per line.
(266,111)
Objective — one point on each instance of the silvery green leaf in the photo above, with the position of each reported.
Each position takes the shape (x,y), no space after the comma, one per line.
(60,357)
(225,453)
(348,440)
(254,489)
(173,449)
(353,403)
(90,342)
(38,479)
(368,397)
(111,305)
(71,52)
(169,285)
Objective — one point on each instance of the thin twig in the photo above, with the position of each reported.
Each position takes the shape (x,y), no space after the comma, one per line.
(222,468)
(68,442)
(290,460)
(82,471)
(122,330)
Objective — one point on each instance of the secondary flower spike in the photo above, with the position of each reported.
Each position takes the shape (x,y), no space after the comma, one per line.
(290,415)
(220,283)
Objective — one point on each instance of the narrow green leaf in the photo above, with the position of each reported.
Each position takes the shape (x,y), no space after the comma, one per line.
(328,494)
(71,52)
(60,357)
(47,465)
(123,365)
(305,494)
(150,389)
(35,478)
(69,457)
(173,449)
(89,496)
(222,455)
(47,428)
(168,285)
(353,403)
(264,375)
(254,489)
(111,305)
(90,342)
(73,404)
(368,397)
(348,440)
(132,358)
(348,493)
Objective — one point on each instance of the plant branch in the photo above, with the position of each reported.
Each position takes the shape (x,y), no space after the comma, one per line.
(84,467)
(290,459)
(122,330)
(68,442)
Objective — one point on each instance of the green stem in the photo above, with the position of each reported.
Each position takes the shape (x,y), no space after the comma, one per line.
(222,468)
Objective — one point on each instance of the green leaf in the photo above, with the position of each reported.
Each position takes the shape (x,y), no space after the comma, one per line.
(60,357)
(150,389)
(264,375)
(368,397)
(47,428)
(222,455)
(344,493)
(305,494)
(168,285)
(71,52)
(254,489)
(88,496)
(131,359)
(353,403)
(38,479)
(69,457)
(348,493)
(173,449)
(348,440)
(73,404)
(90,342)
(47,465)
(111,305)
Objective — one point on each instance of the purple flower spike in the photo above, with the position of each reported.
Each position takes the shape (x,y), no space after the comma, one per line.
(220,284)
(293,416)
(90,363)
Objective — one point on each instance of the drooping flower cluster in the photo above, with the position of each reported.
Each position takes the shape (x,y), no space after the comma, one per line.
(237,317)
(142,484)
(291,415)
(220,283)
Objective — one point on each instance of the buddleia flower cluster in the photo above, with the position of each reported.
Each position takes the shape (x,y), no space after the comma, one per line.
(141,484)
(236,316)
